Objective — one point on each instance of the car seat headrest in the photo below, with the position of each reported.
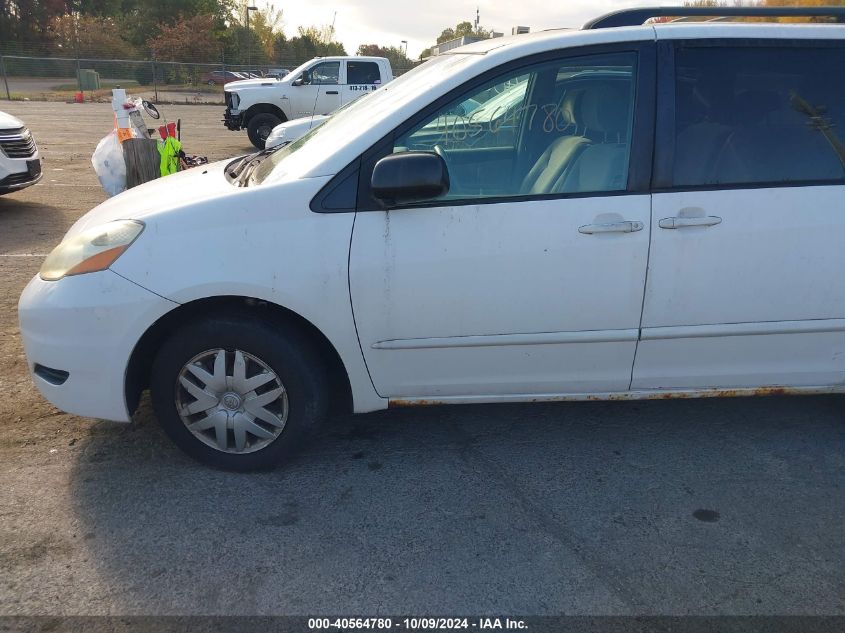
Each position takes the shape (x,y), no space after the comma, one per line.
(605,109)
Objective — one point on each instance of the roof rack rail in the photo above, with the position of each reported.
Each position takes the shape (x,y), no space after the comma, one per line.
(637,17)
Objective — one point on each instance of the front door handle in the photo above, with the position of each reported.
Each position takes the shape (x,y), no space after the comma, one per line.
(611,227)
(681,222)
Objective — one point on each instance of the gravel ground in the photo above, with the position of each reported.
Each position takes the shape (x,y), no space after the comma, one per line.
(676,507)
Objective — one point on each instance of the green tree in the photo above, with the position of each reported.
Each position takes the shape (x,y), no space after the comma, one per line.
(24,22)
(398,59)
(463,29)
(309,42)
(446,35)
(190,38)
(88,36)
(265,26)
(143,19)
(803,3)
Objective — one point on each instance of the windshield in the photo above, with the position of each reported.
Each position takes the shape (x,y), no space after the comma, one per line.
(296,71)
(503,96)
(356,119)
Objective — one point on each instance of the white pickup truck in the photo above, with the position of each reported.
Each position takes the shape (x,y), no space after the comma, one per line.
(319,86)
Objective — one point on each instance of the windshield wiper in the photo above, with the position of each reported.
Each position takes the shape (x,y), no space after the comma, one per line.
(234,171)
(244,167)
(243,177)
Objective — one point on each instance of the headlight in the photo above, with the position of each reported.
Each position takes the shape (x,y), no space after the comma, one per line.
(236,100)
(92,250)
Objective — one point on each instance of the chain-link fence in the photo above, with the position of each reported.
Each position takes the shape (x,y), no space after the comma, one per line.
(51,78)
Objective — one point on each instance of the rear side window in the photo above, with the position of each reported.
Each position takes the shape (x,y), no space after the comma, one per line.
(759,115)
(362,73)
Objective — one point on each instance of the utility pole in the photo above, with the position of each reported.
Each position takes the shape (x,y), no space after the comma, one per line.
(249,40)
(5,80)
(75,16)
(155,80)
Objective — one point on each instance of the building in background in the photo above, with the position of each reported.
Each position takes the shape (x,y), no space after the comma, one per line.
(439,49)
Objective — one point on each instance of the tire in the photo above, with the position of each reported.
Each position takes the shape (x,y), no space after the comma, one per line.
(263,347)
(260,126)
(211,82)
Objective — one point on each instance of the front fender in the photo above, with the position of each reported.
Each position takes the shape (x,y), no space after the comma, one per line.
(263,243)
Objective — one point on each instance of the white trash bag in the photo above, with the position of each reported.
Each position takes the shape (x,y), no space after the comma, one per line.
(109,164)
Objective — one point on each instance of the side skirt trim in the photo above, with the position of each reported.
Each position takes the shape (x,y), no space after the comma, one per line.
(645,394)
(497,340)
(743,329)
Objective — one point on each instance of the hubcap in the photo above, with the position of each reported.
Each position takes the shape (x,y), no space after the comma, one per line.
(231,400)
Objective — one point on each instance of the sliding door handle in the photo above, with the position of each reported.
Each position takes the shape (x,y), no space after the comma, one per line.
(681,222)
(611,227)
(331,92)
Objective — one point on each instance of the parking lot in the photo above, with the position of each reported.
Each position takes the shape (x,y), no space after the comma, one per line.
(662,507)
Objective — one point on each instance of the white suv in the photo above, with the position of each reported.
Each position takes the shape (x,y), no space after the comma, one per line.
(20,163)
(648,212)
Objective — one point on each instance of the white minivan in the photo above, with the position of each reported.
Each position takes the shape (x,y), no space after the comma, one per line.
(652,211)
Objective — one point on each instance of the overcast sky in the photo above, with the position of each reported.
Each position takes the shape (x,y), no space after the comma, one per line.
(388,22)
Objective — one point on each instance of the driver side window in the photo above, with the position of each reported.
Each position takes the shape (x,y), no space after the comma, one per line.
(488,117)
(552,128)
(327,73)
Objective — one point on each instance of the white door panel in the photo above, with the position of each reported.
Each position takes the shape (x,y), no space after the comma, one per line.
(507,298)
(328,99)
(532,370)
(797,358)
(752,301)
(302,100)
(777,255)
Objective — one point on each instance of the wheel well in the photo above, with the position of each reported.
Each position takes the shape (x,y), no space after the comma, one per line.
(269,108)
(140,363)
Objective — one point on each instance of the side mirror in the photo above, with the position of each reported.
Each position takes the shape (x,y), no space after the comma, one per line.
(303,80)
(409,177)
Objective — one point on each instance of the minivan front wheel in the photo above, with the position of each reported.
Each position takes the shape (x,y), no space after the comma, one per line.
(259,128)
(237,393)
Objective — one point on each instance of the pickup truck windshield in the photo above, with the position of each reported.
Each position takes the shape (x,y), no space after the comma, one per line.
(359,116)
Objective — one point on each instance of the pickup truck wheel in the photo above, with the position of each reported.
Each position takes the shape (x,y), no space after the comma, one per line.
(238,393)
(259,128)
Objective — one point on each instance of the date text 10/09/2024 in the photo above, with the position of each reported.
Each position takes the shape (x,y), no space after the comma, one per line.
(417,624)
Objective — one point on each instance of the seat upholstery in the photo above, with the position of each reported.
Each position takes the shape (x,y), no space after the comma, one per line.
(602,165)
(595,159)
(552,163)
